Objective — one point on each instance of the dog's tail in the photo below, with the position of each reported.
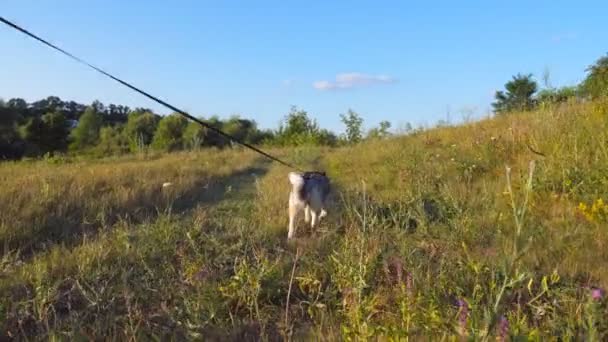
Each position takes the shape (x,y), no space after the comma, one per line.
(296,180)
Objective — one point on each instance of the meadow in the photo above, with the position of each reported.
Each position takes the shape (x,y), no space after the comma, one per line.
(494,229)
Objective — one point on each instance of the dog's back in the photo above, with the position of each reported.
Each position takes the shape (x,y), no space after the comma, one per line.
(316,184)
(310,186)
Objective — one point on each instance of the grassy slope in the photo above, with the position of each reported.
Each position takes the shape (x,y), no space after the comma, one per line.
(419,223)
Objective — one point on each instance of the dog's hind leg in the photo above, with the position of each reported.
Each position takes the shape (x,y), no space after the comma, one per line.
(293,210)
(313,216)
(307,214)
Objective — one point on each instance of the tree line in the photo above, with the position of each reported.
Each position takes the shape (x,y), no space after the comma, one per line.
(53,126)
(522,91)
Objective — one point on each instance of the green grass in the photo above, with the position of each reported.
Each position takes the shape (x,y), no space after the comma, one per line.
(99,249)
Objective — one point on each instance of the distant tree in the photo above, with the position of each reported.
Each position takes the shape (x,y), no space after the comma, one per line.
(595,84)
(170,132)
(237,127)
(86,134)
(73,110)
(242,129)
(48,105)
(55,135)
(141,110)
(353,123)
(265,136)
(114,114)
(32,133)
(11,146)
(324,137)
(384,127)
(519,95)
(380,132)
(298,129)
(17,104)
(194,135)
(408,128)
(212,138)
(298,122)
(18,109)
(98,106)
(112,141)
(442,123)
(140,129)
(557,95)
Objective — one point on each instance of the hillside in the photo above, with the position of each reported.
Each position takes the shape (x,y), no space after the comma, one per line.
(492,228)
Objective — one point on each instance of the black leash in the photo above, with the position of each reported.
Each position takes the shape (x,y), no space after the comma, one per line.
(151,97)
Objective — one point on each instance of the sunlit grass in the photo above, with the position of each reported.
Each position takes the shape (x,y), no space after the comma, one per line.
(491,229)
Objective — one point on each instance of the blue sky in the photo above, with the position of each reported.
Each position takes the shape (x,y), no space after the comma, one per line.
(387,60)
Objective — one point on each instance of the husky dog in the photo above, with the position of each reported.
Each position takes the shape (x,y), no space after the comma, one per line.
(309,193)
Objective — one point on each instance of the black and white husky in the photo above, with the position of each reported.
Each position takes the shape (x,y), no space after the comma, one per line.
(309,193)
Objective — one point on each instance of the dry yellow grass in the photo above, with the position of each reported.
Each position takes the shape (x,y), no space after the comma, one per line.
(46,203)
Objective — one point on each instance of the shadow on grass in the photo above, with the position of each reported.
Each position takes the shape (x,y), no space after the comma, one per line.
(70,230)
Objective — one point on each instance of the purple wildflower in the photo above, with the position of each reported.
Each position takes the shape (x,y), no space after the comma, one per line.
(462,315)
(503,328)
(597,293)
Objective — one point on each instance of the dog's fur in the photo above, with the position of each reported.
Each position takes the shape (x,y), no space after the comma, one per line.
(309,193)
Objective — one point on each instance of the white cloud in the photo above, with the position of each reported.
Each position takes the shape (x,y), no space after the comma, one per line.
(352,80)
(563,37)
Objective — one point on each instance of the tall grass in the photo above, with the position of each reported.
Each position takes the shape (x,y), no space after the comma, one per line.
(428,237)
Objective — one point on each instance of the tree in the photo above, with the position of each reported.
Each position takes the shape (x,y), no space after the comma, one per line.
(324,137)
(384,127)
(116,114)
(380,132)
(17,104)
(55,135)
(32,133)
(11,146)
(98,106)
(73,110)
(112,141)
(298,129)
(242,129)
(213,138)
(140,129)
(170,132)
(353,123)
(408,128)
(48,105)
(297,122)
(194,135)
(557,95)
(595,84)
(518,96)
(265,136)
(86,134)
(18,109)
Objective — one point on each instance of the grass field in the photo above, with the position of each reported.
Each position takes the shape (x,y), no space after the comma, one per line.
(493,229)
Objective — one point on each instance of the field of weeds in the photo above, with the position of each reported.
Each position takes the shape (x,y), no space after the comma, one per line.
(495,229)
